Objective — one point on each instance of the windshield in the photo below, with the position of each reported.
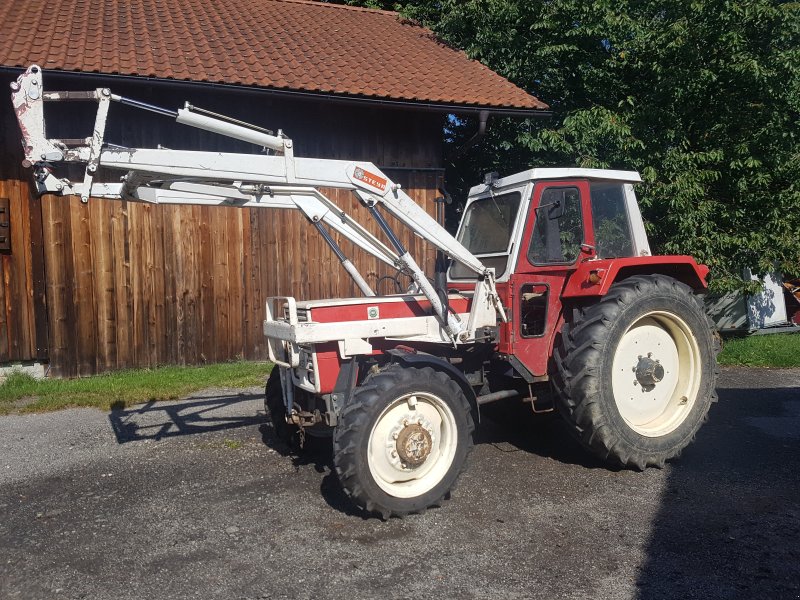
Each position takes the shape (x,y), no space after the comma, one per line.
(488,222)
(486,229)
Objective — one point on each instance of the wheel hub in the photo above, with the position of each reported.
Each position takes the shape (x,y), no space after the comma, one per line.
(414,444)
(648,372)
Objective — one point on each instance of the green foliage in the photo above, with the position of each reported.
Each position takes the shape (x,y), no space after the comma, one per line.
(702,97)
(778,350)
(22,393)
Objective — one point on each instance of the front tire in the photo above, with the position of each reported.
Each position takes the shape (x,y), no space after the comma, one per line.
(275,408)
(402,440)
(636,372)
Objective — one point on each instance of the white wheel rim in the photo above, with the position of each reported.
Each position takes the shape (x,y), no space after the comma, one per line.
(416,410)
(655,408)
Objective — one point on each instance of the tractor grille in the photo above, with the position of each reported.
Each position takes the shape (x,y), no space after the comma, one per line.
(302,314)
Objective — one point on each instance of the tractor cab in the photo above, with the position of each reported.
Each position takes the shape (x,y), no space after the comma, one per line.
(557,216)
(537,229)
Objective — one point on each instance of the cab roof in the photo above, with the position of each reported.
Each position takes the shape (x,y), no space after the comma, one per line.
(539,174)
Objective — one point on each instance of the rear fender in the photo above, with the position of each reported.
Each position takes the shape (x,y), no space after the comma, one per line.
(595,277)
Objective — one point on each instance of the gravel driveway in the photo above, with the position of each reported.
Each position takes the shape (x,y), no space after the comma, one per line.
(196,500)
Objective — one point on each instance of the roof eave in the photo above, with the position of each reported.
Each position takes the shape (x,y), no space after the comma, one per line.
(406,104)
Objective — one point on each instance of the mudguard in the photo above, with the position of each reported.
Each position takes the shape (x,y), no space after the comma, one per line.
(595,277)
(429,360)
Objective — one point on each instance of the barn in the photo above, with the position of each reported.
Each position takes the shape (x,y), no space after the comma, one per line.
(87,288)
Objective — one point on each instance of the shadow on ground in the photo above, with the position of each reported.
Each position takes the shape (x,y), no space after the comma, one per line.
(729,521)
(511,426)
(160,420)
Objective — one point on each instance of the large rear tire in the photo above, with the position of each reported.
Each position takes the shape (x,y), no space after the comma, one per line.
(402,440)
(636,372)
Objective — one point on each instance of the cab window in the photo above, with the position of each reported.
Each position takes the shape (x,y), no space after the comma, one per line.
(612,230)
(558,230)
(486,231)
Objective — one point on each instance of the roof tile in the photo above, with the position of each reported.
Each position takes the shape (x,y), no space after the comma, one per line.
(281,44)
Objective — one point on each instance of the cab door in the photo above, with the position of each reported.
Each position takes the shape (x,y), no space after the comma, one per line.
(558,236)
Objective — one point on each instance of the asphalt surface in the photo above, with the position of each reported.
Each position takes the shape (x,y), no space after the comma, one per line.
(197,500)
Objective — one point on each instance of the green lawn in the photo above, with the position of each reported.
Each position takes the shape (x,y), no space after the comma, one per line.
(22,393)
(778,350)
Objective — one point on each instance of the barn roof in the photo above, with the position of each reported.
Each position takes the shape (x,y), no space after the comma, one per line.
(296,45)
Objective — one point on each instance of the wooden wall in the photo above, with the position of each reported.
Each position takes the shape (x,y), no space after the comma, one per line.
(138,285)
(114,284)
(23,308)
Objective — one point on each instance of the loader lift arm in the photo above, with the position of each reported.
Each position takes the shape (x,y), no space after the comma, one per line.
(277,179)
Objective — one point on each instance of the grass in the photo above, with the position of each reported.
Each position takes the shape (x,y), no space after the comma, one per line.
(22,393)
(776,350)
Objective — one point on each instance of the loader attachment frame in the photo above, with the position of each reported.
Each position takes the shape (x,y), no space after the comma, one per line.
(275,179)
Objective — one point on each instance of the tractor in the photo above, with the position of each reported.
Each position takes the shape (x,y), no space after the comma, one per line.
(548,294)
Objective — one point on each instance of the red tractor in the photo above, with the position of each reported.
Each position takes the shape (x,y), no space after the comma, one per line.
(620,336)
(549,286)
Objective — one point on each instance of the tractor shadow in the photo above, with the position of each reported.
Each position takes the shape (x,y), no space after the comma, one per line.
(729,520)
(511,426)
(316,454)
(162,420)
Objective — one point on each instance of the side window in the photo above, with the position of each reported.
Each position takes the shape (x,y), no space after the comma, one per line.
(558,230)
(612,231)
(533,309)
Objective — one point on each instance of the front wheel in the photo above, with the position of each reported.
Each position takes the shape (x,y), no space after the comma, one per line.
(636,371)
(275,408)
(402,440)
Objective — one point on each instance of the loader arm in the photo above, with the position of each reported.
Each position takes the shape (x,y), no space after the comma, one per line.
(277,179)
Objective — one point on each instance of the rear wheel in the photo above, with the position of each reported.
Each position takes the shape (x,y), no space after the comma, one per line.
(402,440)
(636,371)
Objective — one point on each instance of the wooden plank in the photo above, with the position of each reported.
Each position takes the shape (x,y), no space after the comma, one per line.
(194,324)
(85,324)
(172,227)
(59,268)
(15,297)
(102,269)
(236,310)
(192,301)
(121,276)
(220,345)
(157,289)
(264,258)
(5,296)
(207,330)
(5,267)
(249,272)
(170,251)
(24,267)
(38,277)
(137,217)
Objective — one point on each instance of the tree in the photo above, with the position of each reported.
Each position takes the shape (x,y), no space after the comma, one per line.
(702,97)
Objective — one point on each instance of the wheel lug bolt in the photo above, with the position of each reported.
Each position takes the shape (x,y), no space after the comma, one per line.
(394,454)
(395,436)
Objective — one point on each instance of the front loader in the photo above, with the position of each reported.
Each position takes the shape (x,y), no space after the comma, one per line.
(551,298)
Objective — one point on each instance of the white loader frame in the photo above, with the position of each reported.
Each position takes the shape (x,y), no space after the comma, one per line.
(276,179)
